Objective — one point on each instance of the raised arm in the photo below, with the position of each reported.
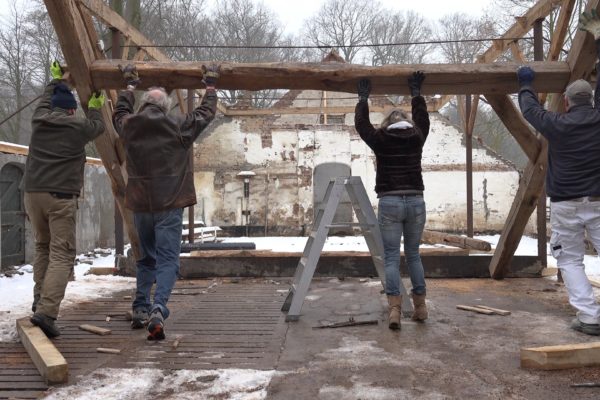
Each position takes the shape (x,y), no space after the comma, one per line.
(196,121)
(362,123)
(44,105)
(590,22)
(126,99)
(420,115)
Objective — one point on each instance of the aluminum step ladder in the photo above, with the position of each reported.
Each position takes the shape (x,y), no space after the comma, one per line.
(320,229)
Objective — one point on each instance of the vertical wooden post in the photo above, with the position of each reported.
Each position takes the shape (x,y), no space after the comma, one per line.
(191,219)
(469,145)
(538,51)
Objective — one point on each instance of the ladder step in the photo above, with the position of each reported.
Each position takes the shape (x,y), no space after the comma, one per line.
(350,225)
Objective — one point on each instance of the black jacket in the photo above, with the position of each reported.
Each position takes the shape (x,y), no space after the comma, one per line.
(573,146)
(398,151)
(56,158)
(158,149)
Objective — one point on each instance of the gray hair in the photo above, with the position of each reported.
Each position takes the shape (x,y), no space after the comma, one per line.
(157,96)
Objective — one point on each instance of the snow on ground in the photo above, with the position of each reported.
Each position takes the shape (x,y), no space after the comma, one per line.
(142,384)
(16,292)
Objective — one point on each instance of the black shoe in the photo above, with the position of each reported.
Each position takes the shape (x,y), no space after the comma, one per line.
(588,329)
(139,319)
(46,324)
(156,326)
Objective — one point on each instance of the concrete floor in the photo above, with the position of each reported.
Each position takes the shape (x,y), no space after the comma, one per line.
(454,355)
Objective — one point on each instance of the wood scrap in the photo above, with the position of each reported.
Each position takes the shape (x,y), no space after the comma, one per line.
(175,344)
(126,297)
(48,360)
(108,350)
(561,356)
(95,329)
(351,322)
(594,282)
(435,237)
(100,271)
(498,311)
(475,309)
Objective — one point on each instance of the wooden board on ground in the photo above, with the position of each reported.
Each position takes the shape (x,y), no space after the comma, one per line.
(561,356)
(595,282)
(95,329)
(475,309)
(435,237)
(108,350)
(47,359)
(495,310)
(100,271)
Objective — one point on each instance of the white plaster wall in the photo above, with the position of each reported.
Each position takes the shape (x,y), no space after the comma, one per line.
(284,161)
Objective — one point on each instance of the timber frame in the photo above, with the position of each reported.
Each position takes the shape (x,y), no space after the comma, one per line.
(90,70)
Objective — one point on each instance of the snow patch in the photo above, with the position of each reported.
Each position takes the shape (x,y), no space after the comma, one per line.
(144,383)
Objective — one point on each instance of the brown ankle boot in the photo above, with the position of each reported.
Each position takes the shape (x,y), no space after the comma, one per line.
(395,303)
(420,313)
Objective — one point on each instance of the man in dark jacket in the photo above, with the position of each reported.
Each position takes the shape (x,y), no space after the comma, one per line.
(398,147)
(572,180)
(53,180)
(158,147)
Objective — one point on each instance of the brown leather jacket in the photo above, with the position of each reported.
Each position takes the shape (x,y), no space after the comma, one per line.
(158,148)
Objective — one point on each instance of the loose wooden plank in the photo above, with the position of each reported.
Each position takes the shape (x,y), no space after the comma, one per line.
(498,311)
(95,329)
(100,271)
(435,237)
(108,350)
(561,356)
(594,282)
(50,363)
(492,78)
(475,309)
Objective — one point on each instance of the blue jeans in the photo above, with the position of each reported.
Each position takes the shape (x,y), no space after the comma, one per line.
(398,215)
(160,247)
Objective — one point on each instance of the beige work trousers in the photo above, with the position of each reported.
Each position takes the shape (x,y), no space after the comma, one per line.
(53,222)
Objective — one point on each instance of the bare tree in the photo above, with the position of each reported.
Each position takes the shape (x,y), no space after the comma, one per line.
(17,66)
(461,37)
(343,24)
(400,27)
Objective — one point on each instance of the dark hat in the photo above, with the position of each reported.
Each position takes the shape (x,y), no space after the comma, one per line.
(63,98)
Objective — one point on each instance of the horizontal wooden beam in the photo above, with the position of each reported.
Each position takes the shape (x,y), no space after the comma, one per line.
(12,148)
(47,359)
(494,78)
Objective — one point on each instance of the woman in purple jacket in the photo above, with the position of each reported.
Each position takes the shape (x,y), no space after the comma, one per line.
(398,146)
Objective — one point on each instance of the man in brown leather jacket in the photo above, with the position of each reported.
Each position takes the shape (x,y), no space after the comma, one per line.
(53,180)
(160,185)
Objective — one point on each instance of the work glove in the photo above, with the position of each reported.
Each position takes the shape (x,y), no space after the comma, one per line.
(210,75)
(525,75)
(130,74)
(590,22)
(364,89)
(96,101)
(56,70)
(415,81)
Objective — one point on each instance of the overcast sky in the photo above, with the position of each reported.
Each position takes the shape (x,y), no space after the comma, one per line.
(292,13)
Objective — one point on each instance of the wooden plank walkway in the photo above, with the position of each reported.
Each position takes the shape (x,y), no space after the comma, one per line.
(228,325)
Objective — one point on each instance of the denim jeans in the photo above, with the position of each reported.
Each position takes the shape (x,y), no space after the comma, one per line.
(399,215)
(160,247)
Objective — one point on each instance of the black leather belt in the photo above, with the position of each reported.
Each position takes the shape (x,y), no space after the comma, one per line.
(60,195)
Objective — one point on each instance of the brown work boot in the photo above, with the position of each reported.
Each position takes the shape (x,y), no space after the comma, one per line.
(420,313)
(395,304)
